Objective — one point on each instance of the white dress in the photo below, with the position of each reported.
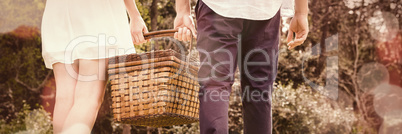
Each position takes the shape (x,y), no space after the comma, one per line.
(84,29)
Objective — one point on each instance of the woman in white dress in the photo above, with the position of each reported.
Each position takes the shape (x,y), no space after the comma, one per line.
(77,38)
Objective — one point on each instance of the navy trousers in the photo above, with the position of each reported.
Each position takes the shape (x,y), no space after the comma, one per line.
(225,44)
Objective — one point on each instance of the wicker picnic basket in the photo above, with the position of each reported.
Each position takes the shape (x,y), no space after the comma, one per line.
(157,88)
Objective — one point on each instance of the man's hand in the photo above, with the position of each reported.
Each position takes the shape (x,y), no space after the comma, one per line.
(184,22)
(137,30)
(185,26)
(299,26)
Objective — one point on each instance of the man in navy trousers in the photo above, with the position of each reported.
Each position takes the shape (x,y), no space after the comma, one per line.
(243,33)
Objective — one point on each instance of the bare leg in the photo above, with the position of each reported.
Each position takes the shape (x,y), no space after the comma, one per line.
(65,85)
(88,96)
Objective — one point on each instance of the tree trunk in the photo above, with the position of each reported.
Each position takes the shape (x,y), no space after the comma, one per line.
(154,15)
(321,59)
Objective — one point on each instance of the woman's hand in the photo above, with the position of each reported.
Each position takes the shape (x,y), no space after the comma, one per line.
(185,25)
(137,24)
(137,29)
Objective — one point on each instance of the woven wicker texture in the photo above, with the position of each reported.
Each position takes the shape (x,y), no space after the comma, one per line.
(157,88)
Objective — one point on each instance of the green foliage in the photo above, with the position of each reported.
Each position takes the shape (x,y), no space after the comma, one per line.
(22,71)
(166,13)
(27,121)
(296,108)
(143,7)
(301,110)
(192,128)
(294,111)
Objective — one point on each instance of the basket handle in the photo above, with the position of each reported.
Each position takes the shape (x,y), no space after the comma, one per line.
(167,33)
(161,33)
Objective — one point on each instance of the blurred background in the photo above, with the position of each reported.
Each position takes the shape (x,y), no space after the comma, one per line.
(346,78)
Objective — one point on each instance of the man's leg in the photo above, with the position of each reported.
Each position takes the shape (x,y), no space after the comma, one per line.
(217,44)
(259,56)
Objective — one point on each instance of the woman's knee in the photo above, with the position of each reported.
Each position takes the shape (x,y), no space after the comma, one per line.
(91,82)
(66,101)
(93,101)
(92,70)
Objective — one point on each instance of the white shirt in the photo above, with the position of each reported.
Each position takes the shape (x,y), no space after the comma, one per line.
(251,9)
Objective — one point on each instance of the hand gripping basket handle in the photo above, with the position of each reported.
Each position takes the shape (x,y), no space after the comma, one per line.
(167,33)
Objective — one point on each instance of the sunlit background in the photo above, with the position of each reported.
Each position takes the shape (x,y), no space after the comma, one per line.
(346,78)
